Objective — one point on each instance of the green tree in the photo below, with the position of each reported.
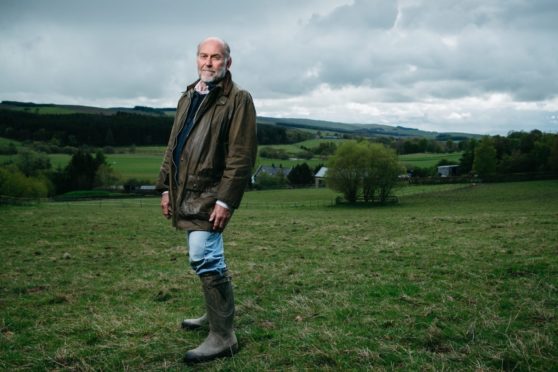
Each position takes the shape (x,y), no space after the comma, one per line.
(268,181)
(301,174)
(484,163)
(109,138)
(345,169)
(105,176)
(468,156)
(381,172)
(16,184)
(370,168)
(32,163)
(552,162)
(82,172)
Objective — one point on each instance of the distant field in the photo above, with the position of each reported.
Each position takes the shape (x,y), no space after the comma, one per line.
(140,165)
(52,110)
(427,160)
(312,163)
(144,163)
(297,147)
(456,278)
(145,167)
(7,141)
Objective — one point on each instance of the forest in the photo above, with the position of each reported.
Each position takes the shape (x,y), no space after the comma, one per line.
(120,129)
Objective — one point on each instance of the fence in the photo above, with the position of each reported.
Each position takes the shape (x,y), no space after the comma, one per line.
(154,203)
(507,177)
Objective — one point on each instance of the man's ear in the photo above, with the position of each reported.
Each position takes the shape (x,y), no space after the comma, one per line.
(229,62)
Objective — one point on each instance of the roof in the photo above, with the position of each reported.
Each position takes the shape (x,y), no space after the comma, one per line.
(321,172)
(272,170)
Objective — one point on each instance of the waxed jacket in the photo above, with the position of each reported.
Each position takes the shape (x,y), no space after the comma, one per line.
(218,156)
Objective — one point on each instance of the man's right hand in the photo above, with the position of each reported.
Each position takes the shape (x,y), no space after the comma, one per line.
(165,205)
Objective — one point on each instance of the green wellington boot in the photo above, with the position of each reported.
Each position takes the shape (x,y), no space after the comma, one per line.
(195,323)
(219,301)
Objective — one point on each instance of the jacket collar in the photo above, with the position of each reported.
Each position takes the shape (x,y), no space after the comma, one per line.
(225,84)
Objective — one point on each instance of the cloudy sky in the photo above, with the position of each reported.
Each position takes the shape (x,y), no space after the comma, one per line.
(477,66)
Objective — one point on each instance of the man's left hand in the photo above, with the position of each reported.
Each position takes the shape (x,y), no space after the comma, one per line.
(220,217)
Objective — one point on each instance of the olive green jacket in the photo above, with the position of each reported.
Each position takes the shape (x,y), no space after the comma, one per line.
(218,157)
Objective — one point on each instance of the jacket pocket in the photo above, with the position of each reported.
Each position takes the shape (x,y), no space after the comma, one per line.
(199,183)
(197,205)
(199,198)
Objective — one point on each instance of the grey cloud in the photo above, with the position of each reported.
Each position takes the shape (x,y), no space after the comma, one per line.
(403,51)
(359,15)
(483,56)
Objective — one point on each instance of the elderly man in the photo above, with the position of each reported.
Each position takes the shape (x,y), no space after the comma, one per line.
(205,170)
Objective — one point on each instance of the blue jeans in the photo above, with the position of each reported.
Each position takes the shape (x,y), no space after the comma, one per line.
(206,252)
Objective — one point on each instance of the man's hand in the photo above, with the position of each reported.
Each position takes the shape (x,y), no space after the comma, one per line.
(165,205)
(220,217)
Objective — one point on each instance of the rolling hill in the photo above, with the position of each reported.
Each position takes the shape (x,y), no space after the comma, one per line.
(334,128)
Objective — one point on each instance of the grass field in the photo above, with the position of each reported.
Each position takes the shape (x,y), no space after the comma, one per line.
(6,141)
(145,162)
(452,278)
(428,160)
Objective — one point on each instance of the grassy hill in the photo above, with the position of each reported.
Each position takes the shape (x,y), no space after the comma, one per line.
(336,128)
(54,109)
(452,278)
(365,130)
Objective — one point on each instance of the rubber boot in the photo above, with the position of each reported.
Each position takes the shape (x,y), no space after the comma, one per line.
(219,301)
(195,323)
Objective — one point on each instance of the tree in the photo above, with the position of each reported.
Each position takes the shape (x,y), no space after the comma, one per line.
(484,163)
(370,167)
(301,174)
(32,163)
(345,169)
(268,181)
(468,157)
(105,176)
(16,184)
(552,161)
(381,173)
(82,172)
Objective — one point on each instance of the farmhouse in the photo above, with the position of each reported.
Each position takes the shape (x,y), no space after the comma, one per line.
(142,189)
(319,177)
(270,171)
(448,170)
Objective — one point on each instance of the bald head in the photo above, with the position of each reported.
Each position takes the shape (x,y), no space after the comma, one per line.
(213,59)
(226,50)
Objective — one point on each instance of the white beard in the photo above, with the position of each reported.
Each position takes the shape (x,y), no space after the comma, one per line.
(208,77)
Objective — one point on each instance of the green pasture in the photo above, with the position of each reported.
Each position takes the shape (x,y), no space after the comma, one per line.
(143,165)
(454,277)
(143,162)
(139,166)
(6,141)
(294,148)
(428,160)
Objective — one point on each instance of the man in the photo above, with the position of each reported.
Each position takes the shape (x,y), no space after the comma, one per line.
(206,167)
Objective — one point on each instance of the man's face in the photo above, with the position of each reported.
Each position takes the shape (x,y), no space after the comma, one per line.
(212,64)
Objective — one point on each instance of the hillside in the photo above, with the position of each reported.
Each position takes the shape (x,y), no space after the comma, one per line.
(333,128)
(365,130)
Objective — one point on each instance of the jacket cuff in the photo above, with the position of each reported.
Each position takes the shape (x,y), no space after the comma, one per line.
(222,204)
